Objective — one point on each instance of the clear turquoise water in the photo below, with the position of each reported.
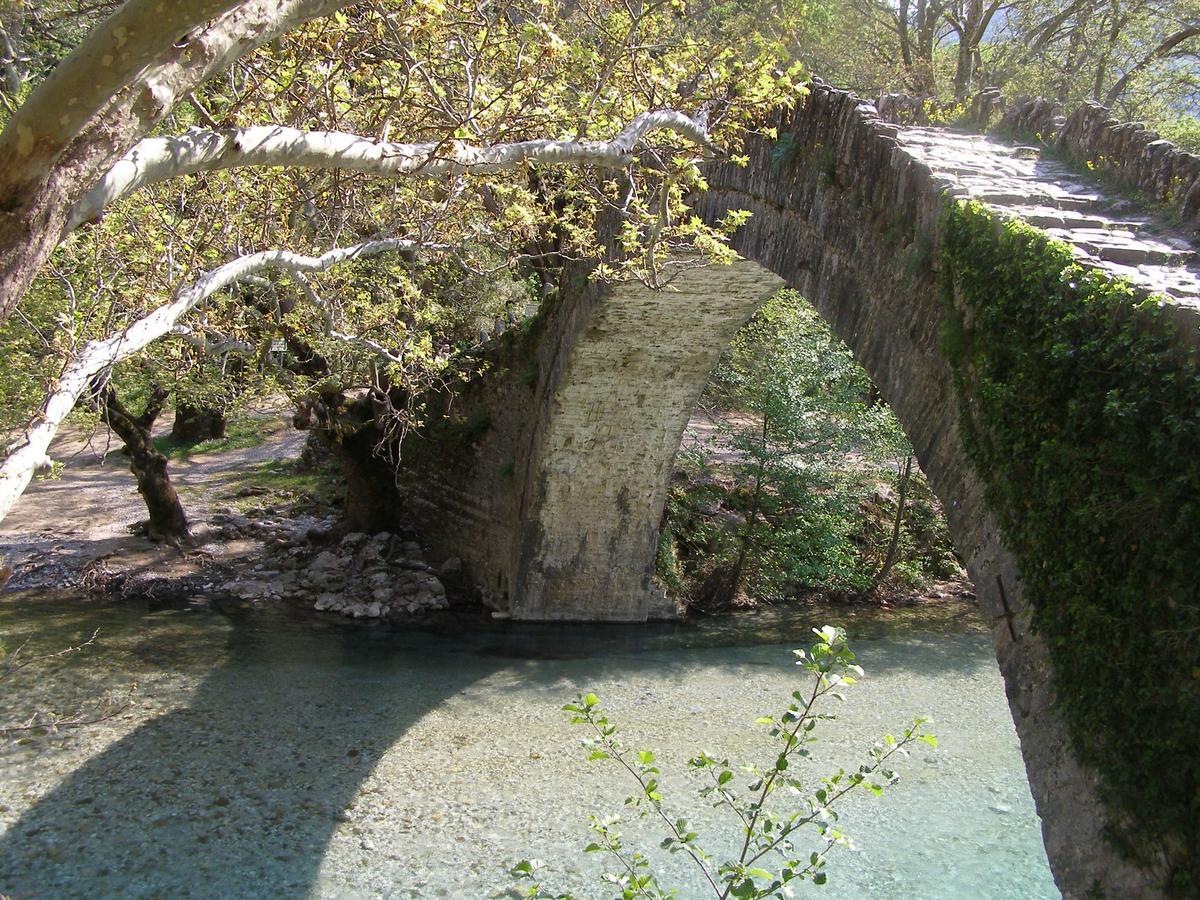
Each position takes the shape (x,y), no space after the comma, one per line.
(278,755)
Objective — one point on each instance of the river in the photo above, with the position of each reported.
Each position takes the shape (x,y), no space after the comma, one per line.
(276,753)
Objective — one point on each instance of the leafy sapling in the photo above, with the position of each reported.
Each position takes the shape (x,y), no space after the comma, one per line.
(769,857)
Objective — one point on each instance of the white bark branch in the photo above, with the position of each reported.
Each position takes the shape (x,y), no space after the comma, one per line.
(154,160)
(355,340)
(30,454)
(112,56)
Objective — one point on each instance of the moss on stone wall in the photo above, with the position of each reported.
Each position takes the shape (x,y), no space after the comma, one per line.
(1081,413)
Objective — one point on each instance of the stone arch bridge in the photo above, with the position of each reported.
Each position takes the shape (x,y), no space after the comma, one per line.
(550,481)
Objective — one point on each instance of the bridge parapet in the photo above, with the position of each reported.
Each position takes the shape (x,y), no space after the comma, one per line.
(1128,155)
(1137,158)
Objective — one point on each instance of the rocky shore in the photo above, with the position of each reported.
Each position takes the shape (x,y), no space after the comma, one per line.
(363,576)
(254,544)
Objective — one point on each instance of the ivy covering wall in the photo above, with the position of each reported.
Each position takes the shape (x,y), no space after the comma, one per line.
(1081,412)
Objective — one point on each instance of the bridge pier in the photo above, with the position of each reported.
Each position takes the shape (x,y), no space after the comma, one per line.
(628,385)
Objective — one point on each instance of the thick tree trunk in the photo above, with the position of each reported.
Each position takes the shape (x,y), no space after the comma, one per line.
(929,13)
(121,82)
(371,502)
(893,550)
(905,38)
(168,522)
(724,589)
(29,230)
(194,424)
(964,70)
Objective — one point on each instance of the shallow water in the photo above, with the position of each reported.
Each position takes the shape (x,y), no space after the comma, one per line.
(277,754)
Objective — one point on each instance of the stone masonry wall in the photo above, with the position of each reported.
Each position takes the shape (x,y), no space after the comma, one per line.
(548,478)
(1136,157)
(842,212)
(464,476)
(630,380)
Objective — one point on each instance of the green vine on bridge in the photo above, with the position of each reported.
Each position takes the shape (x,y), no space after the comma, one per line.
(1081,412)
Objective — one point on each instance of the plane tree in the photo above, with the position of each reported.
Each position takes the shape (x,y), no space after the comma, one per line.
(441,140)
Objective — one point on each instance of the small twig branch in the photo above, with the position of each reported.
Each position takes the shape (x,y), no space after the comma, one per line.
(12,664)
(205,343)
(618,754)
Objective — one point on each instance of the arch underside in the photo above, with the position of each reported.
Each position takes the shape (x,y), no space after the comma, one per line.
(631,383)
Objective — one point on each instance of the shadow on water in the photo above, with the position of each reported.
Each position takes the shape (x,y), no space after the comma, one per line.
(243,787)
(783,626)
(239,792)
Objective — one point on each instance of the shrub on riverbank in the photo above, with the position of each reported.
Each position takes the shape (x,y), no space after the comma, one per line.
(807,487)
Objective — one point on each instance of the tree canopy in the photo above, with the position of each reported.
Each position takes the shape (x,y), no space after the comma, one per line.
(146,149)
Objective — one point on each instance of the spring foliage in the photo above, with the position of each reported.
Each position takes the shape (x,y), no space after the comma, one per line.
(798,490)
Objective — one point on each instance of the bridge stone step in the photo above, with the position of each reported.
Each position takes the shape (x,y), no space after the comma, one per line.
(1105,231)
(1053,217)
(1128,248)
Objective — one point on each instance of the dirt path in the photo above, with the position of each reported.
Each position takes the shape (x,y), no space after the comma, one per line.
(61,525)
(710,432)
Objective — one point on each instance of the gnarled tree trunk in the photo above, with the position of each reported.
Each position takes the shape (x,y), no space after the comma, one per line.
(123,80)
(372,502)
(168,522)
(195,423)
(893,550)
(371,499)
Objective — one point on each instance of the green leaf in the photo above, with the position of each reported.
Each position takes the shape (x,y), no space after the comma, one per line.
(744,888)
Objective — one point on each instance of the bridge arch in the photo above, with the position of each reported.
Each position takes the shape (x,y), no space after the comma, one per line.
(549,477)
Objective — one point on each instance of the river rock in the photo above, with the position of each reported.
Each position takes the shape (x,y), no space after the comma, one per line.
(326,559)
(249,590)
(326,601)
(318,534)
